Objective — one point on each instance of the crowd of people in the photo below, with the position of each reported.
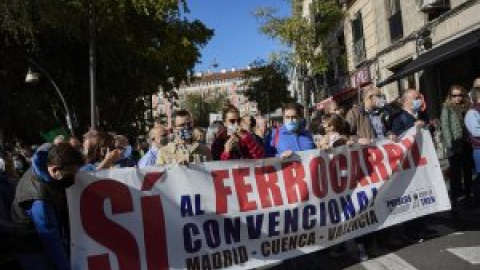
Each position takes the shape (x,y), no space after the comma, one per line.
(33,207)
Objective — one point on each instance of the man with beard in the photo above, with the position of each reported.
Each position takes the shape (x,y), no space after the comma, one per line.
(183,149)
(40,204)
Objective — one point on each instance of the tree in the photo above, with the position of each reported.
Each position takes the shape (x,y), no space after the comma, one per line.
(268,85)
(140,45)
(305,35)
(200,108)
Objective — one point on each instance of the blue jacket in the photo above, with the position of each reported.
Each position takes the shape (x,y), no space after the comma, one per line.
(149,159)
(287,140)
(472,122)
(44,218)
(404,121)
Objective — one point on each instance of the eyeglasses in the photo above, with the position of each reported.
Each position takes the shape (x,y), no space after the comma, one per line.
(233,121)
(187,124)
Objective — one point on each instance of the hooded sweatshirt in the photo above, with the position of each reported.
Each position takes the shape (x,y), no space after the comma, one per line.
(44,206)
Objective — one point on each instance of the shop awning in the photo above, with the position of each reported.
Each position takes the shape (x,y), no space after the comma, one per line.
(339,97)
(436,55)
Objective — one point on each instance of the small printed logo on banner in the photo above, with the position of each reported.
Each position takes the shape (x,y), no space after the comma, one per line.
(399,204)
(414,200)
(427,197)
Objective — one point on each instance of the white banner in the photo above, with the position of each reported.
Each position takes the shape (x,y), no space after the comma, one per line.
(245,214)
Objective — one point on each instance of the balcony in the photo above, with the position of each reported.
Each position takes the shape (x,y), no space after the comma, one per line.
(359,52)
(396,26)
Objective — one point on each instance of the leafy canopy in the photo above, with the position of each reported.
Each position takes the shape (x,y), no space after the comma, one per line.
(200,107)
(141,44)
(304,34)
(268,84)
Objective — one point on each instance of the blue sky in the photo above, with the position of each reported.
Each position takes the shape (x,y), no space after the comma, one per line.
(237,40)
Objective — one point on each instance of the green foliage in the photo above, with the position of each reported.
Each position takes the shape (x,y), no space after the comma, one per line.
(141,44)
(200,108)
(305,35)
(268,85)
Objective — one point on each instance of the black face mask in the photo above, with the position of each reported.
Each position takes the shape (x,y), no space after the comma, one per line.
(64,182)
(164,141)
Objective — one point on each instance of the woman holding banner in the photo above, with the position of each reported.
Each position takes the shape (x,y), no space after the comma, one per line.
(456,141)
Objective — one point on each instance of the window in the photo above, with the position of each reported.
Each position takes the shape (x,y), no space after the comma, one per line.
(395,22)
(358,39)
(405,84)
(435,8)
(393,7)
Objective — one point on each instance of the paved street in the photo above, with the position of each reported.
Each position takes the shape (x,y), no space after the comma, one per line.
(456,247)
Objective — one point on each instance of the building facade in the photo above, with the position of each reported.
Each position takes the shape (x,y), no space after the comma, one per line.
(422,44)
(428,45)
(211,85)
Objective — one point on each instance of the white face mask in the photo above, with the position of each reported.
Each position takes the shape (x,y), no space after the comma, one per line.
(17,164)
(231,128)
(380,103)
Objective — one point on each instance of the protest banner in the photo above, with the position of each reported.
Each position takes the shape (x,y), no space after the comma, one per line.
(245,214)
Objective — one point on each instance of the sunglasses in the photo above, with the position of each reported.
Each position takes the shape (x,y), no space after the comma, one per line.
(454,96)
(183,125)
(233,121)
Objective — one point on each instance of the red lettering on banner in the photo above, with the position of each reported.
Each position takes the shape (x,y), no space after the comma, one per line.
(395,155)
(418,160)
(294,178)
(338,164)
(150,179)
(154,233)
(243,189)
(357,174)
(267,185)
(407,144)
(221,191)
(95,223)
(318,172)
(374,162)
(414,150)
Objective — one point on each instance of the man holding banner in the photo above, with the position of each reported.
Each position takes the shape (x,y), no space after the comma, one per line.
(40,204)
(183,149)
(235,142)
(413,117)
(366,123)
(292,136)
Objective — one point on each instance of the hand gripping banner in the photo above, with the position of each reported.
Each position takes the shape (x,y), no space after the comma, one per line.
(245,214)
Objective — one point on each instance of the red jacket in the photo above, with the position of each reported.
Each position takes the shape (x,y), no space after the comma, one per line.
(248,149)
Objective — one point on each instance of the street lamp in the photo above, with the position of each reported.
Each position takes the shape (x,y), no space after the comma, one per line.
(423,40)
(33,77)
(92,65)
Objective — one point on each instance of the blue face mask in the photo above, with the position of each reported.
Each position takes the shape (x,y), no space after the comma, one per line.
(417,105)
(292,125)
(128,152)
(185,134)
